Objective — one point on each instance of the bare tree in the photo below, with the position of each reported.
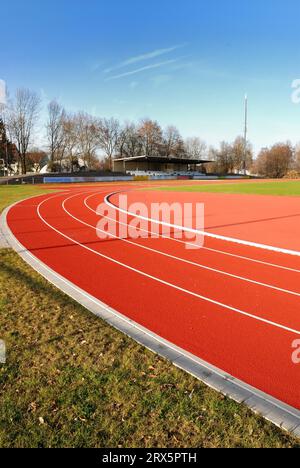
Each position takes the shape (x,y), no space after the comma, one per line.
(173,143)
(55,133)
(37,157)
(71,136)
(225,159)
(108,137)
(22,118)
(129,143)
(123,140)
(195,148)
(276,161)
(150,133)
(212,156)
(297,158)
(229,158)
(87,135)
(70,141)
(238,154)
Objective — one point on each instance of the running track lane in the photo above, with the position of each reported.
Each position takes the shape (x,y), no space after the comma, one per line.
(201,311)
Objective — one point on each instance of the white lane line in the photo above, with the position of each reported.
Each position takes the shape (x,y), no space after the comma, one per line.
(60,279)
(261,262)
(173,257)
(23,251)
(232,240)
(158,280)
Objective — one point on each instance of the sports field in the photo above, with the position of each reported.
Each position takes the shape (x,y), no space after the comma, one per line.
(280,188)
(233,303)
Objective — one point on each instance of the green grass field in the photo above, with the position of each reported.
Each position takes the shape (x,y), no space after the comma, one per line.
(73,381)
(281,188)
(13,193)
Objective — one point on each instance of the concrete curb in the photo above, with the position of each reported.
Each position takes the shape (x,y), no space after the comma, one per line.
(3,241)
(273,410)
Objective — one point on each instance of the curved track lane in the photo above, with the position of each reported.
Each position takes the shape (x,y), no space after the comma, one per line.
(232,306)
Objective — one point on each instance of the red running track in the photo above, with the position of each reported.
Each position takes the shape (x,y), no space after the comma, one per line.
(236,307)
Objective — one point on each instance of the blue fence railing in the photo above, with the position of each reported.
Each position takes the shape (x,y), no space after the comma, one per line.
(74,180)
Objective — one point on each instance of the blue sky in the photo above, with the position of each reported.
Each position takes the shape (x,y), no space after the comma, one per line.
(186,62)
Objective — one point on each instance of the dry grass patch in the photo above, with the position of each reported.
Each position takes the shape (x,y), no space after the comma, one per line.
(73,381)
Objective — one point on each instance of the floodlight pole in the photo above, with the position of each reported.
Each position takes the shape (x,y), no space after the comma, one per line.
(245,135)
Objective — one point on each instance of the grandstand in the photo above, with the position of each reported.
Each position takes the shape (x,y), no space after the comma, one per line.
(138,168)
(159,166)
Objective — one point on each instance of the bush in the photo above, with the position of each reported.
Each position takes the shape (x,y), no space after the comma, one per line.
(292,175)
(53,166)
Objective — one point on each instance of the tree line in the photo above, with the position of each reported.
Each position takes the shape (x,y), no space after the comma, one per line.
(278,161)
(80,140)
(82,136)
(74,138)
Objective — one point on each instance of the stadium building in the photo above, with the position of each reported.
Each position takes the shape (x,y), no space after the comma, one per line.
(152,165)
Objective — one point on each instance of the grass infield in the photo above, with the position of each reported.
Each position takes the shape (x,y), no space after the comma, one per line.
(280,188)
(13,193)
(73,381)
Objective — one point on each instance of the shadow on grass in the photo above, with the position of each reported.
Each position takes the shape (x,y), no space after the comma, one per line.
(37,286)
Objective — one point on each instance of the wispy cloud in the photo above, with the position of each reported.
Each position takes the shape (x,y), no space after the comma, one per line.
(184,65)
(144,57)
(142,69)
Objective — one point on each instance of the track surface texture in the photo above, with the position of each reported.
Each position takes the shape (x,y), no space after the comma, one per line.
(234,306)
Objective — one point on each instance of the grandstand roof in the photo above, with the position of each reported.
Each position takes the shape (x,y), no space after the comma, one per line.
(164,160)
